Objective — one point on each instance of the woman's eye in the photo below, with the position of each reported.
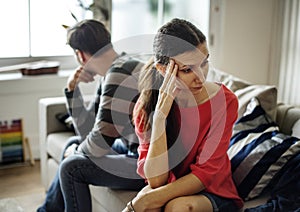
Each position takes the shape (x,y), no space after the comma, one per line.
(186,70)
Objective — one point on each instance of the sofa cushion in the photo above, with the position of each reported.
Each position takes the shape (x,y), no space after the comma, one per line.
(56,143)
(258,151)
(111,199)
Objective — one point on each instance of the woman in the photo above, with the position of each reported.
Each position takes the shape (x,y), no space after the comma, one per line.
(184,125)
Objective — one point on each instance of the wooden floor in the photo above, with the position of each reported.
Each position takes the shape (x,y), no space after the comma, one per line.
(23,183)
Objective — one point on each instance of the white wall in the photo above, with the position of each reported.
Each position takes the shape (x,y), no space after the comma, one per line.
(19,96)
(242,32)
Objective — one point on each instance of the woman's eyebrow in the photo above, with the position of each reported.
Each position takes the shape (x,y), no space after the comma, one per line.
(206,57)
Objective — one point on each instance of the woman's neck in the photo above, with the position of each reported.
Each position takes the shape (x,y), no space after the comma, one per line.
(208,91)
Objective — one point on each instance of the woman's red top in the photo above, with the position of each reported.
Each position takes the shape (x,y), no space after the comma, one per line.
(204,136)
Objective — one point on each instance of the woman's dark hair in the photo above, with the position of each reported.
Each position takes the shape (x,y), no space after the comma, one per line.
(176,37)
(89,36)
(173,38)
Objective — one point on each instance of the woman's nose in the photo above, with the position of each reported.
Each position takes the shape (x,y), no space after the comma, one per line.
(200,78)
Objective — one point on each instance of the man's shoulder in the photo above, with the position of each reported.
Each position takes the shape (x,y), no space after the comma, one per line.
(126,64)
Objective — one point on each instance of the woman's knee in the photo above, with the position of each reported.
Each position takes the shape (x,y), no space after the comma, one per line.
(178,205)
(186,204)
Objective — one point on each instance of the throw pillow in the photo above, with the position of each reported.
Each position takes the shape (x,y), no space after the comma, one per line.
(230,81)
(258,151)
(66,120)
(266,94)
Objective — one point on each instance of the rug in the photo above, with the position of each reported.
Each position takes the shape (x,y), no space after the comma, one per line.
(10,205)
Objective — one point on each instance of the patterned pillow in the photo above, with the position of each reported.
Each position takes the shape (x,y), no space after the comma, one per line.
(258,151)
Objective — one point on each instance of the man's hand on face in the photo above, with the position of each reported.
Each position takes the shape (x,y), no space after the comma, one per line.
(79,75)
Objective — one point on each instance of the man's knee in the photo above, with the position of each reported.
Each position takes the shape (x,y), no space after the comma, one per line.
(67,166)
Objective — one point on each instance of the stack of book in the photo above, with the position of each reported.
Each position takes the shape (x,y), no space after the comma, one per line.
(11,142)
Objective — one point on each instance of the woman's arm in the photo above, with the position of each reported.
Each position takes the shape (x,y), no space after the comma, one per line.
(156,166)
(156,198)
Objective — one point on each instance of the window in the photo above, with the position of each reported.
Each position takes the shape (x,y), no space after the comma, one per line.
(47,35)
(196,11)
(137,17)
(131,18)
(34,27)
(14,35)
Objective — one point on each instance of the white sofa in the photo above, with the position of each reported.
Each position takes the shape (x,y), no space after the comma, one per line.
(53,136)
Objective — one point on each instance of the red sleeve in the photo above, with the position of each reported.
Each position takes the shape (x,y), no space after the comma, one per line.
(212,160)
(144,143)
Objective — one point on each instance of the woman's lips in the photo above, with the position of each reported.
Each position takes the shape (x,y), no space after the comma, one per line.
(197,88)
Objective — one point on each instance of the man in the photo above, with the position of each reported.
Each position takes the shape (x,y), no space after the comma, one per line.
(97,153)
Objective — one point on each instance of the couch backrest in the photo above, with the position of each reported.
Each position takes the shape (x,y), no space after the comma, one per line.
(287,116)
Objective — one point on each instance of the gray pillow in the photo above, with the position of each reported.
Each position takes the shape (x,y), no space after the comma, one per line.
(266,95)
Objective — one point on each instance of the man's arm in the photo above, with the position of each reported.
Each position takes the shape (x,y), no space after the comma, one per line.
(83,117)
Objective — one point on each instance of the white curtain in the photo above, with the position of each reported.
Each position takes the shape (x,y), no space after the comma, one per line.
(289,76)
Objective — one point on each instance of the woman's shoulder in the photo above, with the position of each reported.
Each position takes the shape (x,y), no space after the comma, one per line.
(216,89)
(231,98)
(212,89)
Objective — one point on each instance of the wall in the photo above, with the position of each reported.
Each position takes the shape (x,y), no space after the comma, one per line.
(19,96)
(242,32)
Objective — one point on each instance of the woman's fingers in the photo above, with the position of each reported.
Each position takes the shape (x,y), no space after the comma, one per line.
(167,75)
(169,78)
(170,83)
(168,89)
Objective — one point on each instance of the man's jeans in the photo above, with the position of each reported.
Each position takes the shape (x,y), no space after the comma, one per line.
(113,171)
(78,171)
(54,200)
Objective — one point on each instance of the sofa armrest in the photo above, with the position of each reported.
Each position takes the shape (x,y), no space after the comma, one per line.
(287,116)
(48,108)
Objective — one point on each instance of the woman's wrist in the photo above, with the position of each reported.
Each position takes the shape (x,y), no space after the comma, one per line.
(158,114)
